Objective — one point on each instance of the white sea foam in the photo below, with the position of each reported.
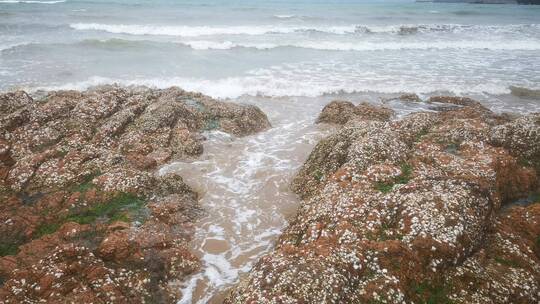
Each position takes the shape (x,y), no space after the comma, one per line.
(285,16)
(187,291)
(194,31)
(448,27)
(276,86)
(10,46)
(219,271)
(322,45)
(528,45)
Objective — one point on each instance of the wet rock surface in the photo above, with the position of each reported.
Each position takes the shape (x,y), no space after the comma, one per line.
(340,112)
(411,210)
(83,216)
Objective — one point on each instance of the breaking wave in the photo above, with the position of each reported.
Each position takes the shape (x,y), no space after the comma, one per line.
(526,93)
(369,46)
(195,31)
(234,87)
(518,45)
(284,16)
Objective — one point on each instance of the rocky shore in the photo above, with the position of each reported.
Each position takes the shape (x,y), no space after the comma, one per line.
(433,207)
(84,216)
(420,209)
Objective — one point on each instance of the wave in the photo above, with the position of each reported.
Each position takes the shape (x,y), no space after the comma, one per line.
(467,13)
(234,87)
(526,45)
(402,29)
(206,45)
(525,92)
(284,16)
(33,1)
(194,31)
(447,28)
(114,43)
(13,46)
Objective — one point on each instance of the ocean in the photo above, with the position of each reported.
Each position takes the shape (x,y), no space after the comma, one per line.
(290,58)
(227,49)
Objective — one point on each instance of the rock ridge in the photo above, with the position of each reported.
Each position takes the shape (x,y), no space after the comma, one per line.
(412,210)
(84,216)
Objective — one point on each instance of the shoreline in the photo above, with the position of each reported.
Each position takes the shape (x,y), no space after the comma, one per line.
(194,213)
(519,99)
(525,92)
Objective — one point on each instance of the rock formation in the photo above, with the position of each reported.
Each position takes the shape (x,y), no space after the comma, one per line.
(415,210)
(84,217)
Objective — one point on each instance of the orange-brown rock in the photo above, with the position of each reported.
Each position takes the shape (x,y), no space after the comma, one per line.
(414,210)
(84,216)
(340,112)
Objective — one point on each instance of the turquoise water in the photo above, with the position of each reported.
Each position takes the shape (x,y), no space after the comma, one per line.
(270,48)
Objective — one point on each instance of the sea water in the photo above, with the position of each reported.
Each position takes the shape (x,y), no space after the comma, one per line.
(290,58)
(271,48)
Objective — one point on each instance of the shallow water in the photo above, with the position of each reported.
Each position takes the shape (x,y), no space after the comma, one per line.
(244,187)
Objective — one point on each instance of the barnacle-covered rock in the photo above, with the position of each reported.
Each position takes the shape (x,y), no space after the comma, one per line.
(412,210)
(352,146)
(83,216)
(507,268)
(13,101)
(521,137)
(340,112)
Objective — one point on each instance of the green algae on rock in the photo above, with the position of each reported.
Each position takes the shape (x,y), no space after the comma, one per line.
(84,216)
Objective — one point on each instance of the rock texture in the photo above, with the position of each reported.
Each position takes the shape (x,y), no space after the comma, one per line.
(340,112)
(416,210)
(83,216)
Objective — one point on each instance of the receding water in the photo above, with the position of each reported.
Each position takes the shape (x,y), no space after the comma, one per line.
(243,184)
